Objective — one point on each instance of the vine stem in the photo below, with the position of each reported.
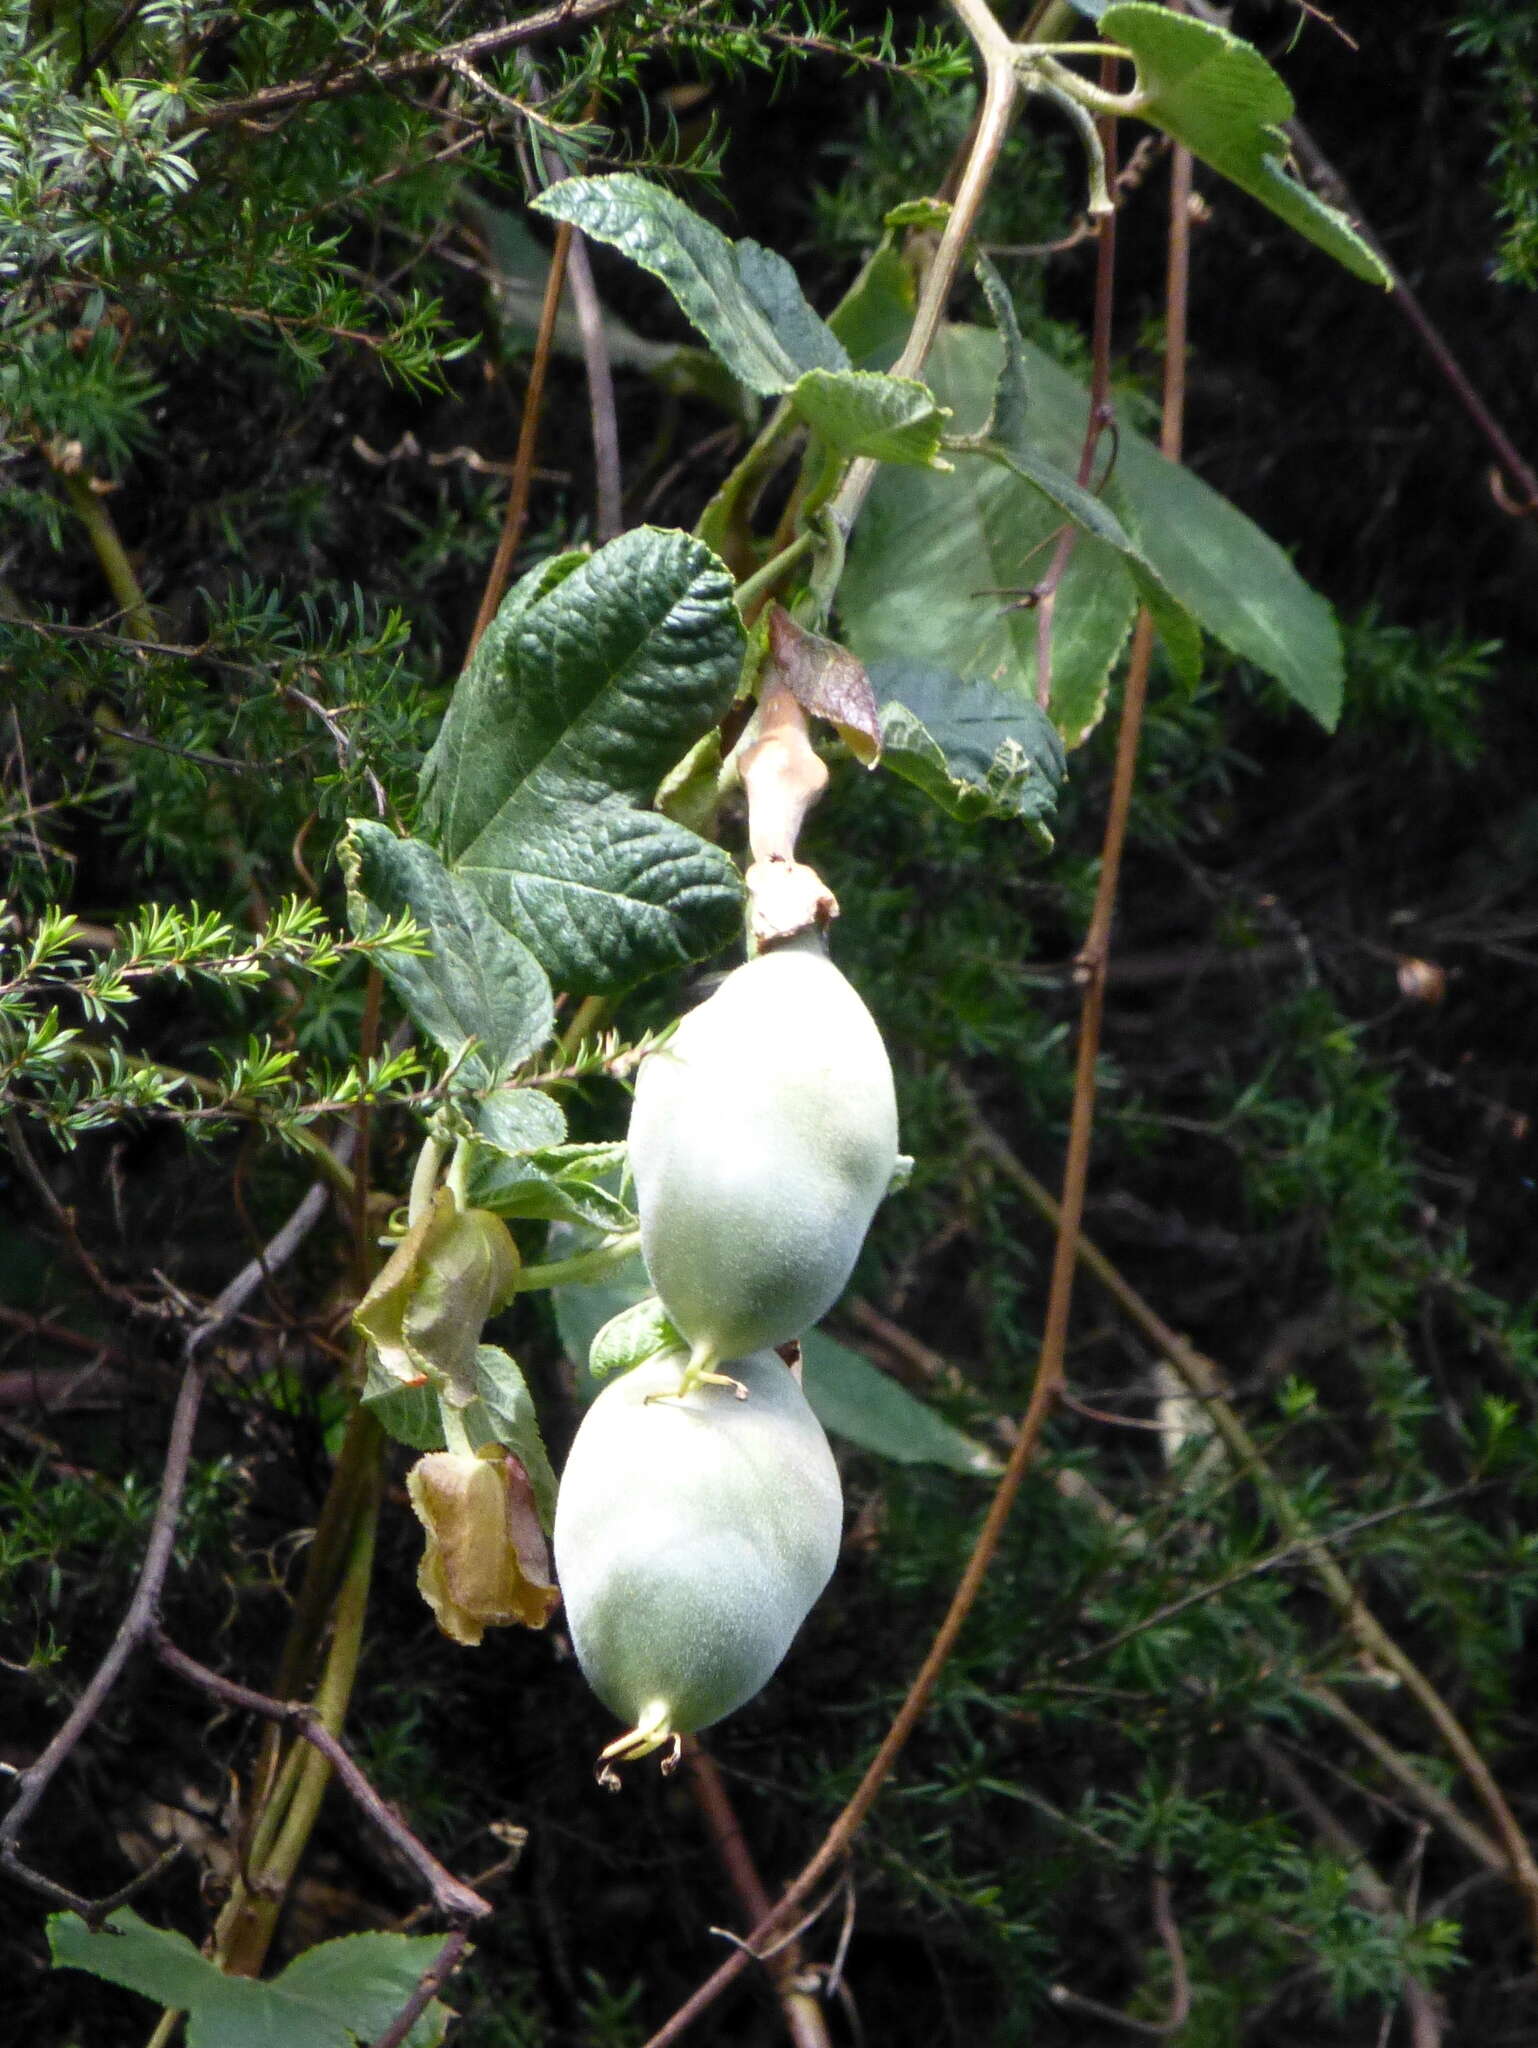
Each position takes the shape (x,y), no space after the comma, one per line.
(1099,415)
(250,1920)
(1001,87)
(90,509)
(516,515)
(998,55)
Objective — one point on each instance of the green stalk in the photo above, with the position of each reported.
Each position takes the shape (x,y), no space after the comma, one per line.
(90,509)
(247,1930)
(585,1266)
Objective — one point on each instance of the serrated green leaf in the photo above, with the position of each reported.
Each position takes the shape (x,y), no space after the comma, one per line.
(331,1996)
(743,298)
(975,751)
(1216,93)
(479,982)
(927,545)
(518,1120)
(894,419)
(576,703)
(628,1339)
(1231,577)
(555,1184)
(851,1399)
(503,1413)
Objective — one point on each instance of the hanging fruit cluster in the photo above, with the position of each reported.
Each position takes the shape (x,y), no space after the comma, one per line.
(700,1510)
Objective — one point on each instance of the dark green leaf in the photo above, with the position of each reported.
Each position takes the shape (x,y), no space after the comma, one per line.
(1218,95)
(519,1120)
(925,560)
(556,1184)
(873,319)
(851,1399)
(331,1996)
(1231,577)
(631,1337)
(503,1412)
(976,751)
(937,563)
(479,982)
(578,700)
(743,298)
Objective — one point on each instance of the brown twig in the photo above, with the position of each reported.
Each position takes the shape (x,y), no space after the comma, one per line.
(92,59)
(516,515)
(1322,175)
(802,2013)
(137,1623)
(22,1153)
(1300,1551)
(1100,415)
(455,1900)
(1432,1802)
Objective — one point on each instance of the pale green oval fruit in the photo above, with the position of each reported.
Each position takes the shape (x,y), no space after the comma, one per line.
(692,1534)
(762,1137)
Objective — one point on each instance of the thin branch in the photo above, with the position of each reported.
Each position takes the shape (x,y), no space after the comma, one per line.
(1301,1550)
(431,1982)
(455,1900)
(1180,1978)
(608,476)
(137,1623)
(101,529)
(490,42)
(22,1153)
(1100,414)
(143,1612)
(1000,89)
(1423,2008)
(1433,1802)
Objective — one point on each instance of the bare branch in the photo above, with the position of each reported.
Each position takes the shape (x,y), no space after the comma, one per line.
(143,1613)
(456,1901)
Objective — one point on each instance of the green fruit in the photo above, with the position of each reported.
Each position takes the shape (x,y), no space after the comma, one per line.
(692,1534)
(763,1135)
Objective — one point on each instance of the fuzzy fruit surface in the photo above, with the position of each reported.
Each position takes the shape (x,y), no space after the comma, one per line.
(762,1137)
(692,1535)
